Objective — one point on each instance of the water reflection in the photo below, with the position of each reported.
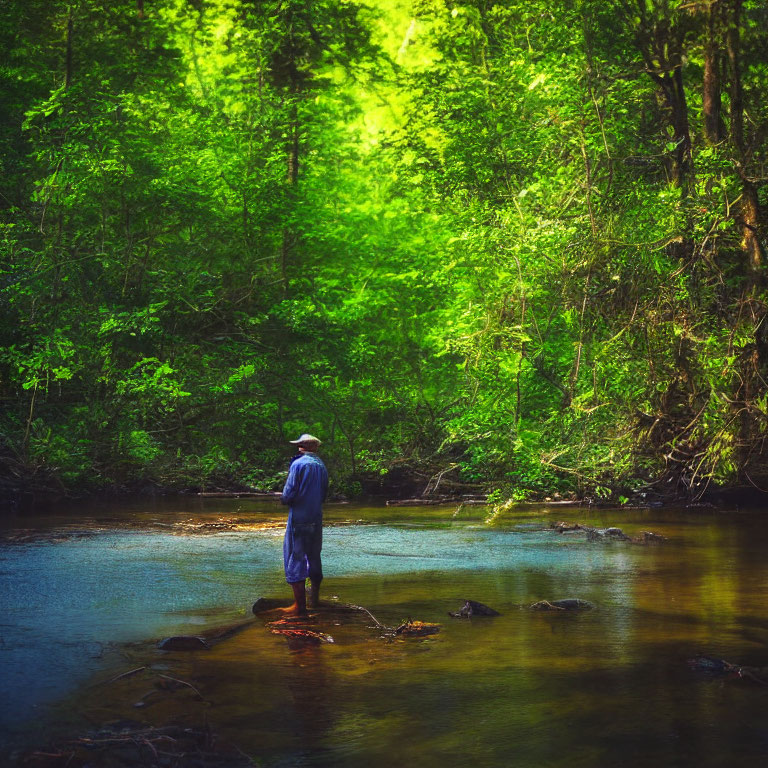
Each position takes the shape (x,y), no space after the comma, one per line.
(605,687)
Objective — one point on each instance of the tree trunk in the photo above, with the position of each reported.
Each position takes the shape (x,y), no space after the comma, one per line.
(68,60)
(660,41)
(714,128)
(749,209)
(734,63)
(671,84)
(289,238)
(750,228)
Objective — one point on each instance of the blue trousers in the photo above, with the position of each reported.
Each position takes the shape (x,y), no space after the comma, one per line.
(301,551)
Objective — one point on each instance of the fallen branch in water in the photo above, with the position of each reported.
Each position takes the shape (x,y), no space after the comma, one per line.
(123,675)
(171,745)
(365,610)
(173,732)
(183,682)
(237,494)
(408,628)
(419,502)
(411,628)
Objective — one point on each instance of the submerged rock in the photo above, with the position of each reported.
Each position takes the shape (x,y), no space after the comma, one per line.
(594,534)
(648,537)
(708,664)
(473,608)
(183,643)
(611,533)
(714,666)
(563,526)
(569,604)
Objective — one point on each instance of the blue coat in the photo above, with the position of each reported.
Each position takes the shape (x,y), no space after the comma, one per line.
(306,488)
(305,491)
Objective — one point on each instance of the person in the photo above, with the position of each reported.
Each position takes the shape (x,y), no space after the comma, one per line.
(304,492)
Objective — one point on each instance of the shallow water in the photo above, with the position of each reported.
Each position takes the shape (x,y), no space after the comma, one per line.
(602,688)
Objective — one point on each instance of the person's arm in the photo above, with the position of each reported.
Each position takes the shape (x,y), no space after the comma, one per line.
(291,488)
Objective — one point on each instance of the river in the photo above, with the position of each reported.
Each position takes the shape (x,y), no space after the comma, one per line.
(88,592)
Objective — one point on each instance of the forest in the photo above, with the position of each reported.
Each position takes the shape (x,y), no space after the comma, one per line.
(514,247)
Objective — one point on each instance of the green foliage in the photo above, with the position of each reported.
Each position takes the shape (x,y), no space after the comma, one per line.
(490,237)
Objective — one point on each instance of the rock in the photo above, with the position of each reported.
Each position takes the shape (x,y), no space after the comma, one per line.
(562,526)
(721,667)
(708,664)
(616,534)
(600,534)
(569,604)
(596,534)
(268,604)
(183,643)
(544,605)
(648,537)
(574,604)
(472,608)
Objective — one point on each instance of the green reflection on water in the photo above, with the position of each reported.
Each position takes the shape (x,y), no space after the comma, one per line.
(608,687)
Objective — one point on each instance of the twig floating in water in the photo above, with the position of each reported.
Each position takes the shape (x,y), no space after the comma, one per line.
(123,675)
(365,610)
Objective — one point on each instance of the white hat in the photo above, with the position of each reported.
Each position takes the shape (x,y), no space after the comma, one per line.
(305,438)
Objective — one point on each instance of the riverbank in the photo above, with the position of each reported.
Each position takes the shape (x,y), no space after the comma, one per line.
(40,502)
